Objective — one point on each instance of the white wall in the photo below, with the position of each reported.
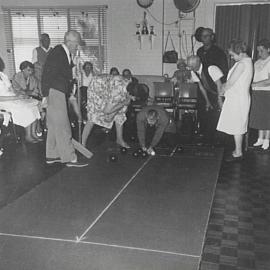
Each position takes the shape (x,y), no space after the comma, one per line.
(123,49)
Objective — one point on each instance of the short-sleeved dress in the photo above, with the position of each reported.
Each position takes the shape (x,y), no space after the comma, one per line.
(103,90)
(233,119)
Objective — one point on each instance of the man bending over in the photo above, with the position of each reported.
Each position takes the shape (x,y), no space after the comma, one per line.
(151,116)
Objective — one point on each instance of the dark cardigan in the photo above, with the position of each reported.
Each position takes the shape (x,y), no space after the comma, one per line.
(57,72)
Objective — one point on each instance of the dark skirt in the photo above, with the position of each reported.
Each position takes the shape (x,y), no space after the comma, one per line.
(260,110)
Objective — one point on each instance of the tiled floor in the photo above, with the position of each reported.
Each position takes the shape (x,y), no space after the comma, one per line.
(238,235)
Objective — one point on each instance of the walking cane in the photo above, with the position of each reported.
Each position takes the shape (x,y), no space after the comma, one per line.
(79,84)
(77,144)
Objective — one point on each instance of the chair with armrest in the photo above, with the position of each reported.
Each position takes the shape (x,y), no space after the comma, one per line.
(187,104)
(187,96)
(165,96)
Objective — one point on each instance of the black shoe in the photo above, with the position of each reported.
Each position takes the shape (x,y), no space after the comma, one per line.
(39,139)
(265,150)
(231,158)
(76,164)
(32,141)
(53,160)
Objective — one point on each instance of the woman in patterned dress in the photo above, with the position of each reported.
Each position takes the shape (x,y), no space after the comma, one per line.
(107,101)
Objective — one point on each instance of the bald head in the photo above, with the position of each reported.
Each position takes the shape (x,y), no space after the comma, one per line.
(72,40)
(194,62)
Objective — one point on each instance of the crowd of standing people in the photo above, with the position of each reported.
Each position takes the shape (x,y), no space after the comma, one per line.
(232,99)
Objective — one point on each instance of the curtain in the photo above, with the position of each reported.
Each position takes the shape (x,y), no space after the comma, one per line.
(250,23)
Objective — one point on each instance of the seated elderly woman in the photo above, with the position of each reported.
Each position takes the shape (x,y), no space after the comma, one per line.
(114,71)
(24,111)
(107,104)
(25,83)
(88,73)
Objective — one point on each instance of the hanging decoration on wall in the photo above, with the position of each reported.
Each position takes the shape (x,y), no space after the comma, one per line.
(145,3)
(144,25)
(144,31)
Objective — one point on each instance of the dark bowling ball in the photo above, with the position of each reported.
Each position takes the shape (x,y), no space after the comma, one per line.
(144,154)
(140,151)
(113,158)
(179,149)
(135,154)
(123,150)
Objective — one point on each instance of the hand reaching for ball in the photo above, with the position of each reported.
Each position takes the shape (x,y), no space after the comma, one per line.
(150,151)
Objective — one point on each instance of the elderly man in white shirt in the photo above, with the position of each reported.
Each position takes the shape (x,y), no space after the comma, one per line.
(40,54)
(210,86)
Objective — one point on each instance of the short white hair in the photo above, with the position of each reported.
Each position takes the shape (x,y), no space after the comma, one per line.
(72,35)
(193,60)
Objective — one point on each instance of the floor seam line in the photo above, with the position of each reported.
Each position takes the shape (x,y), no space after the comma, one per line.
(78,239)
(99,244)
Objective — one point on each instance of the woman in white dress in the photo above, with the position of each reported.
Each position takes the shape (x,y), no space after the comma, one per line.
(24,111)
(233,119)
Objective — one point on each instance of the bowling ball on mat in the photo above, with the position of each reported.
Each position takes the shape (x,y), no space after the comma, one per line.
(144,154)
(140,150)
(123,150)
(113,158)
(135,154)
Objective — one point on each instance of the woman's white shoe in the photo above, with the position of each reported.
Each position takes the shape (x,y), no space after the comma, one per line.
(258,143)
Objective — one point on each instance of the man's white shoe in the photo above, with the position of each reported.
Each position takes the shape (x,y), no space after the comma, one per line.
(76,164)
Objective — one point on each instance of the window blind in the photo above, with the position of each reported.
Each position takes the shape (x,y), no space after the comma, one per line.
(23,27)
(91,24)
(21,35)
(55,23)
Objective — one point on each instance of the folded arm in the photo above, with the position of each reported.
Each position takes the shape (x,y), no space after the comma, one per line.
(263,83)
(234,76)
